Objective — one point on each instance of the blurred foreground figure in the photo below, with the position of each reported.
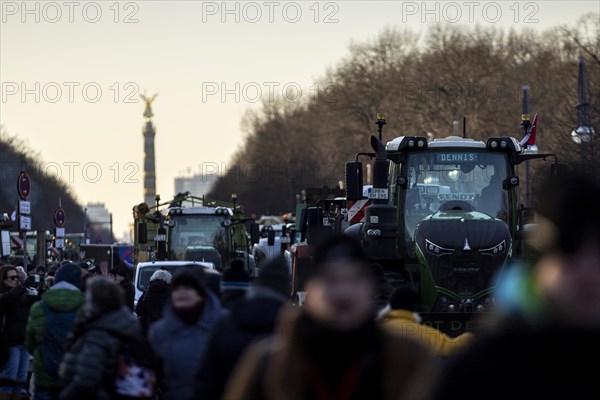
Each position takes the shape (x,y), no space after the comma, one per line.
(51,321)
(333,348)
(251,318)
(89,367)
(551,327)
(401,315)
(180,337)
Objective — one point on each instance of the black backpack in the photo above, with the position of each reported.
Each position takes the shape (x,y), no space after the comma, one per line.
(54,340)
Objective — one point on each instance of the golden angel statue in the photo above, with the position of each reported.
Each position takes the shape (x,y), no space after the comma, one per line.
(148,100)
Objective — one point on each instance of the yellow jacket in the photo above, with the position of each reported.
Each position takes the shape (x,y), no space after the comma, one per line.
(405,323)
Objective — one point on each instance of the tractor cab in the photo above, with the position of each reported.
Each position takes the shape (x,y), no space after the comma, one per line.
(189,228)
(456,211)
(443,216)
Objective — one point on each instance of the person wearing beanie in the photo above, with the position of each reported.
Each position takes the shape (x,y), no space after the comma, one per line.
(61,301)
(401,316)
(236,281)
(332,347)
(252,317)
(150,306)
(180,337)
(100,331)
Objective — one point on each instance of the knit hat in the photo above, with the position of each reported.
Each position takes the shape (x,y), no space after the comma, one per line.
(274,275)
(339,248)
(161,275)
(69,273)
(192,277)
(235,277)
(404,298)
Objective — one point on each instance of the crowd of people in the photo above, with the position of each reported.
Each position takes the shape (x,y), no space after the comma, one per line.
(200,335)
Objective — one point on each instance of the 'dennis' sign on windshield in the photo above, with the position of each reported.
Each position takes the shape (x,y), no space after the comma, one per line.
(456,157)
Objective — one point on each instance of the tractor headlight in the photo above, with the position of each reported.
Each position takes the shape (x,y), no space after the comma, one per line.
(497,249)
(437,250)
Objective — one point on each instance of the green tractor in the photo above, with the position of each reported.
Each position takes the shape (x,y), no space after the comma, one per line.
(189,228)
(444,217)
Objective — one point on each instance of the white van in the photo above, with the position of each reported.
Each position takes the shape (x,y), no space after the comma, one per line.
(144,271)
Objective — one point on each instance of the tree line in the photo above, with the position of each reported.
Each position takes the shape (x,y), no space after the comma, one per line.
(422,84)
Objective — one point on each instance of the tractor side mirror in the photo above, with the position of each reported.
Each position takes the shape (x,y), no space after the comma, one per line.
(510,182)
(354,180)
(142,233)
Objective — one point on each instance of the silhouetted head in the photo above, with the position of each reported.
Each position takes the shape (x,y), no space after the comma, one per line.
(103,295)
(340,287)
(187,288)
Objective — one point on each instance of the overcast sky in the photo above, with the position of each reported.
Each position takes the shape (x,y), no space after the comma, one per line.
(71,73)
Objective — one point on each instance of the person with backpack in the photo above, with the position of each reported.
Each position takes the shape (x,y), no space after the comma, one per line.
(50,323)
(107,357)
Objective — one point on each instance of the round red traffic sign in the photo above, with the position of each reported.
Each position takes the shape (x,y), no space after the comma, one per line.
(23,185)
(60,217)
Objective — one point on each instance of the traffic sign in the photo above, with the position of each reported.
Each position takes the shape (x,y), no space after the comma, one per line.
(4,243)
(23,185)
(60,217)
(59,243)
(24,207)
(59,232)
(24,223)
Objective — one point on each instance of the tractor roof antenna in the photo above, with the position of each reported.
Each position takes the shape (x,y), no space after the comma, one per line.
(583,107)
(380,123)
(584,132)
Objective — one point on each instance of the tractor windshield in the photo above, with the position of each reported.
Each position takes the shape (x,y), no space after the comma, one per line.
(194,231)
(469,179)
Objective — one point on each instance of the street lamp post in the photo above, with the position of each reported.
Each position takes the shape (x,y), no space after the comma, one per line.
(583,134)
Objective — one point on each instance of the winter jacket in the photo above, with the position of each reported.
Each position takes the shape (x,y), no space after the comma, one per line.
(150,305)
(513,361)
(252,318)
(180,346)
(405,323)
(88,369)
(129,293)
(59,298)
(305,360)
(14,311)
